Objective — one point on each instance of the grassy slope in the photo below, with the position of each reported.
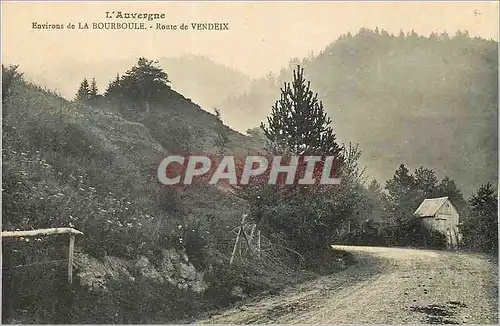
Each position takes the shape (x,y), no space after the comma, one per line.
(92,148)
(68,164)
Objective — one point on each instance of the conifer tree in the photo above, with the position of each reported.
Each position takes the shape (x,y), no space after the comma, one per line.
(84,91)
(145,80)
(298,122)
(93,92)
(139,85)
(299,125)
(113,89)
(425,182)
(448,188)
(480,228)
(402,186)
(403,198)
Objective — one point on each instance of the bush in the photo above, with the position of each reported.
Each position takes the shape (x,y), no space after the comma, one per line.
(413,233)
(305,219)
(368,233)
(10,76)
(272,270)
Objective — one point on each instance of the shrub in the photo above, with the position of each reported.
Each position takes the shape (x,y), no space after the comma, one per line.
(10,76)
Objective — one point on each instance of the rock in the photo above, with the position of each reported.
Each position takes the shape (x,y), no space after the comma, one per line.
(184,257)
(96,273)
(237,291)
(174,268)
(199,286)
(146,270)
(143,262)
(166,264)
(171,254)
(186,271)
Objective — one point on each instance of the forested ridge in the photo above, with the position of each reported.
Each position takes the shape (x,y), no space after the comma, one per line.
(404,98)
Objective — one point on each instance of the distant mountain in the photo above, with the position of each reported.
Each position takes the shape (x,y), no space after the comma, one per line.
(409,99)
(203,80)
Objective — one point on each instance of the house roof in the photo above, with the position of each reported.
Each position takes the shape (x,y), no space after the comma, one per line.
(430,206)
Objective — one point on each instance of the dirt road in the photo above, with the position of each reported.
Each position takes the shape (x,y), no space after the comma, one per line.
(387,285)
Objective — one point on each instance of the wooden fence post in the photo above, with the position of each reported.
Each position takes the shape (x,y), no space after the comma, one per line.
(258,243)
(237,239)
(70,257)
(252,235)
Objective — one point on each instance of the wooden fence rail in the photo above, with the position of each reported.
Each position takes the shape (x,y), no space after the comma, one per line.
(52,231)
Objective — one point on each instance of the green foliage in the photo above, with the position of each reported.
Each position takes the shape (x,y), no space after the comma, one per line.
(174,137)
(113,90)
(83,93)
(28,264)
(425,182)
(256,132)
(113,226)
(93,91)
(141,301)
(58,172)
(393,213)
(46,295)
(10,76)
(375,201)
(480,228)
(402,186)
(298,123)
(221,137)
(141,84)
(403,198)
(448,188)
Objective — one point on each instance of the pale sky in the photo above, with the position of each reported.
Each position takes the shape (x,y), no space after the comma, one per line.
(263,36)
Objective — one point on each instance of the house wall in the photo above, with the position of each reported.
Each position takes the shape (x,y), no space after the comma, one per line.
(429,222)
(448,219)
(445,221)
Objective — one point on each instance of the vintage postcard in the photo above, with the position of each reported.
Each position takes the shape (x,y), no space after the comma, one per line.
(249,162)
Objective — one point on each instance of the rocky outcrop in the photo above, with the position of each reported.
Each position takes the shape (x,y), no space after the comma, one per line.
(95,273)
(173,267)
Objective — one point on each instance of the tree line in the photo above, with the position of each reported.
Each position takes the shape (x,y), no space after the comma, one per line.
(87,91)
(144,83)
(308,219)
